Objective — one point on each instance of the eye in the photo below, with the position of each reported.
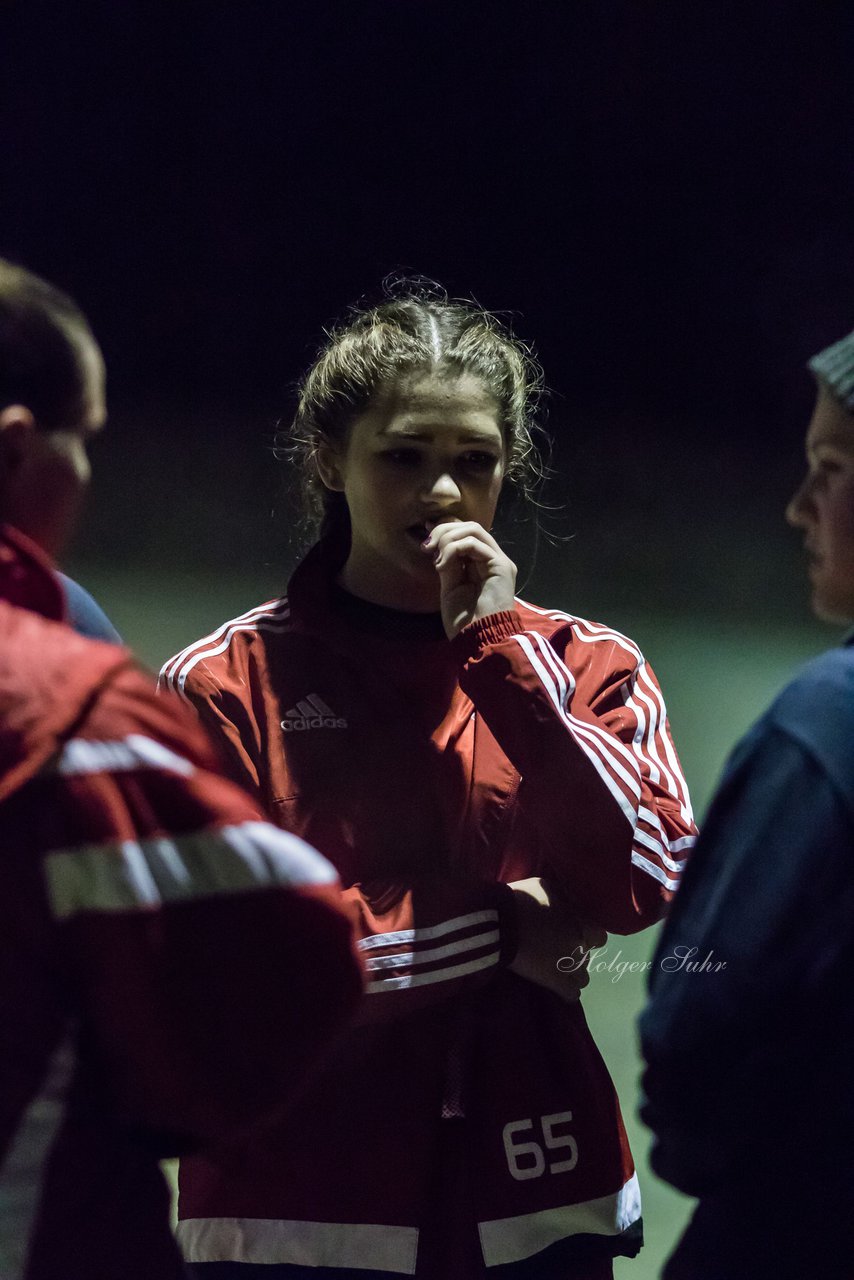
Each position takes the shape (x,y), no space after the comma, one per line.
(478,460)
(823,468)
(402,457)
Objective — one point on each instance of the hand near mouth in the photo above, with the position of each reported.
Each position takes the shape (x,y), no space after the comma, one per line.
(476,577)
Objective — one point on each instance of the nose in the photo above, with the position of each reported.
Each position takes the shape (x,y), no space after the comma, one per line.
(442,490)
(796,511)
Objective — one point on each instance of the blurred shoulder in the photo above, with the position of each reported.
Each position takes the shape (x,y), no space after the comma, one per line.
(85,614)
(817,709)
(825,684)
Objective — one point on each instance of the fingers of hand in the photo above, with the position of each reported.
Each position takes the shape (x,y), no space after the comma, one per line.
(534,887)
(458,534)
(454,529)
(469,548)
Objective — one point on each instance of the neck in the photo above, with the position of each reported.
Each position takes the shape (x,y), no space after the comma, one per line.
(409,593)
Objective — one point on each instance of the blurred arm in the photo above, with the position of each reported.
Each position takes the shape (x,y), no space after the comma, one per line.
(729,1049)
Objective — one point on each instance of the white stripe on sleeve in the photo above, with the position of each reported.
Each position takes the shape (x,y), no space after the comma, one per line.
(140,875)
(657,739)
(408,980)
(589,744)
(79,756)
(652,869)
(272,609)
(407,951)
(488,916)
(398,959)
(624,764)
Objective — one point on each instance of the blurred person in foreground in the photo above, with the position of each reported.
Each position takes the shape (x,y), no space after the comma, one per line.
(749,1077)
(170,964)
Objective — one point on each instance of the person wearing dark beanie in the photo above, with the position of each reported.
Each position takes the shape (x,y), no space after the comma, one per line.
(748,1079)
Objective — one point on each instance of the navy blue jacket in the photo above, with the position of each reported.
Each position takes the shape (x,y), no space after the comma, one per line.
(86,615)
(750,1023)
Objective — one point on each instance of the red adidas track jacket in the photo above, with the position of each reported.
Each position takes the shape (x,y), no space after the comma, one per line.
(469,1122)
(154,989)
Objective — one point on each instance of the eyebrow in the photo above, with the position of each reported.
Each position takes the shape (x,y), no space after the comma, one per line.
(471,437)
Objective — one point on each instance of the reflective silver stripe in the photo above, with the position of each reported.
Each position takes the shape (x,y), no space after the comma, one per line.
(133,875)
(512,1239)
(594,742)
(652,869)
(178,679)
(23,1167)
(360,1246)
(133,752)
(438,975)
(272,609)
(489,915)
(400,958)
(672,846)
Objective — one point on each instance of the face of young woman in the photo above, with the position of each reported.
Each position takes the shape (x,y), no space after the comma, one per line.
(429,450)
(824,508)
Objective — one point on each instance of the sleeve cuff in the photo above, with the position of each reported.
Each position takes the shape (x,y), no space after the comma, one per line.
(492,629)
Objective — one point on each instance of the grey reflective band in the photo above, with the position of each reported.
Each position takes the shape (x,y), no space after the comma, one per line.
(834,368)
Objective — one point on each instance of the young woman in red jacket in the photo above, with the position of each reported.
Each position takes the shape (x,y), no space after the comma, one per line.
(440,741)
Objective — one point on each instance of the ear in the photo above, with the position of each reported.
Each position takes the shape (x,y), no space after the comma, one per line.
(17,433)
(328,462)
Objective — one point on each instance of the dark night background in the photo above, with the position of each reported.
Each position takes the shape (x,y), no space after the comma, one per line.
(663,194)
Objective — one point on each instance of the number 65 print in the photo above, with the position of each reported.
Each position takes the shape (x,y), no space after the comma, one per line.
(517,1150)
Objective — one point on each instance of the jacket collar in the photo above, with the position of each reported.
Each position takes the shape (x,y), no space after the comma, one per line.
(28,579)
(310,587)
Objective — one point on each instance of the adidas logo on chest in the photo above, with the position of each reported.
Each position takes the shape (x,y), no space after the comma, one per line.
(311,712)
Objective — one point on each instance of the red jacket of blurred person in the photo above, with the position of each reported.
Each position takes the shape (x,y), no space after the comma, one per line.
(156,992)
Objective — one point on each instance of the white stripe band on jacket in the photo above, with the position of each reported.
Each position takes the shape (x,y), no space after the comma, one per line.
(654,701)
(271,609)
(409,955)
(594,633)
(80,756)
(135,875)
(343,1245)
(652,869)
(560,689)
(653,843)
(646,703)
(269,620)
(488,916)
(611,744)
(672,846)
(24,1165)
(599,757)
(513,1239)
(406,980)
(398,959)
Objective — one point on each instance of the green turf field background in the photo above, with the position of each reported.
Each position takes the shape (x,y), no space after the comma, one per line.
(717,676)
